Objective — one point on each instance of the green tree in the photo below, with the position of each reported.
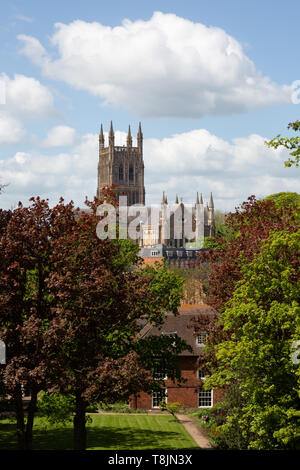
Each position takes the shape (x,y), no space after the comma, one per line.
(285,201)
(254,363)
(290,143)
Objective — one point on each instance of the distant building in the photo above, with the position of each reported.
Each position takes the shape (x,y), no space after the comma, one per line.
(123,167)
(182,256)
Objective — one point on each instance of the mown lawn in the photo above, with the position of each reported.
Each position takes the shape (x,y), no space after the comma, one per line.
(112,432)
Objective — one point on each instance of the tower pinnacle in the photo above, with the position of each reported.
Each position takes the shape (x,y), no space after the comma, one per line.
(111,135)
(101,138)
(129,138)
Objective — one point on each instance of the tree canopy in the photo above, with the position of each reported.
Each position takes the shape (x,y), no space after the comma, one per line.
(71,309)
(262,321)
(254,284)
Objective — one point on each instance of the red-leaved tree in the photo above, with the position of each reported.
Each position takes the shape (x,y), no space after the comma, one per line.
(102,296)
(71,309)
(26,237)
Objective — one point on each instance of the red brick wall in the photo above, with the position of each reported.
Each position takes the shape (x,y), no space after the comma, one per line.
(186,394)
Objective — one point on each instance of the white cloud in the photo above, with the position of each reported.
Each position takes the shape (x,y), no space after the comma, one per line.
(11,130)
(22,98)
(71,174)
(167,66)
(26,97)
(60,136)
(183,164)
(200,161)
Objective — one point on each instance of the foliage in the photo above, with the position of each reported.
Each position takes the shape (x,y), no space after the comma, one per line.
(71,310)
(251,223)
(26,236)
(290,143)
(287,200)
(211,243)
(262,320)
(223,231)
(101,291)
(57,408)
(6,405)
(118,407)
(171,407)
(195,278)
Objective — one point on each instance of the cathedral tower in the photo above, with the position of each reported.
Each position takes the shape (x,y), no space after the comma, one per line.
(122,166)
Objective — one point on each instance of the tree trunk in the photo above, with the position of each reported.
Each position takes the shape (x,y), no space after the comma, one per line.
(79,424)
(20,418)
(30,418)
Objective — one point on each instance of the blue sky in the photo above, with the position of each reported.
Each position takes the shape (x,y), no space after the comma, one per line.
(210,81)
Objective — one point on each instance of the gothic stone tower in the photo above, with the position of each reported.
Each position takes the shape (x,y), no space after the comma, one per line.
(122,166)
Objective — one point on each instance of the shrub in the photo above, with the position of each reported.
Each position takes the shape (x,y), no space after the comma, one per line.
(56,408)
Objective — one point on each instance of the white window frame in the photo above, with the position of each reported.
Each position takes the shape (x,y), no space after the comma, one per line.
(159,374)
(162,393)
(200,338)
(211,398)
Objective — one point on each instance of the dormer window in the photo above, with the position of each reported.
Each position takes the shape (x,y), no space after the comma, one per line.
(201,338)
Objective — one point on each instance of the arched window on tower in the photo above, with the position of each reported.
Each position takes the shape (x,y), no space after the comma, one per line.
(131,173)
(121,174)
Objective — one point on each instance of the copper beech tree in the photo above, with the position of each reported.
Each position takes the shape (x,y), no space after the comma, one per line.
(71,309)
(26,235)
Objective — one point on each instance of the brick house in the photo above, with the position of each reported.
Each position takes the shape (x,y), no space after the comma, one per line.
(189,393)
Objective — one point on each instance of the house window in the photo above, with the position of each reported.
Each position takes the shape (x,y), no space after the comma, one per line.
(160,373)
(154,253)
(205,398)
(201,374)
(158,397)
(201,338)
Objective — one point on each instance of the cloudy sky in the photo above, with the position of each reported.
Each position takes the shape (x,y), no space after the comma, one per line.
(210,82)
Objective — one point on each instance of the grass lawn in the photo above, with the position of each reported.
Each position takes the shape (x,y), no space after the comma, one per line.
(112,432)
